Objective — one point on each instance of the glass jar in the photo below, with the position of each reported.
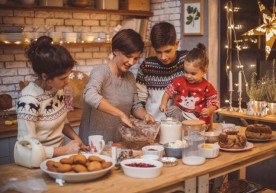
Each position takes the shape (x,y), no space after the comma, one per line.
(171,130)
(193,133)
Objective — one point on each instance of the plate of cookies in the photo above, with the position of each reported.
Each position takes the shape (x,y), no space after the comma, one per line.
(78,167)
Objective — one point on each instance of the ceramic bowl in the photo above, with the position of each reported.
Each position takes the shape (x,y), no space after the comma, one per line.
(172,151)
(137,171)
(212,137)
(151,157)
(209,150)
(153,150)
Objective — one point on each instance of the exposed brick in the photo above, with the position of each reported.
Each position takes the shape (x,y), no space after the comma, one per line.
(35,21)
(98,16)
(91,49)
(81,15)
(6,12)
(12,80)
(6,57)
(54,22)
(94,61)
(14,20)
(64,15)
(45,14)
(73,22)
(8,72)
(1,64)
(85,55)
(23,13)
(81,28)
(20,57)
(15,64)
(6,88)
(64,29)
(25,71)
(100,55)
(14,50)
(91,23)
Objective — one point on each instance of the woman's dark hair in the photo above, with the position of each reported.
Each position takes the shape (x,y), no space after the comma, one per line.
(53,60)
(162,34)
(198,54)
(127,41)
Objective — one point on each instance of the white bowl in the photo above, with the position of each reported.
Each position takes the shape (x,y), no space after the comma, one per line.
(209,150)
(142,172)
(153,150)
(77,177)
(151,157)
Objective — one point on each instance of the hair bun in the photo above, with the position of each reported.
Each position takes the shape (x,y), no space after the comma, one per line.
(201,46)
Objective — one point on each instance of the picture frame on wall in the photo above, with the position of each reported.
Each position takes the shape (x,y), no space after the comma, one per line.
(193,17)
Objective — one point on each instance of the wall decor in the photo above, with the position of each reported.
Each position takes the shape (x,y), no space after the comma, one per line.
(193,17)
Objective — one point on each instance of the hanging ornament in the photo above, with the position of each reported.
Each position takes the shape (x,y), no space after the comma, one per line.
(268,28)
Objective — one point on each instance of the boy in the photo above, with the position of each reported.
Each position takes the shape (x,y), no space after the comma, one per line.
(156,72)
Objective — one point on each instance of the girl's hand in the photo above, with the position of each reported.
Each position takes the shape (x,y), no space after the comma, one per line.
(205,112)
(148,118)
(163,108)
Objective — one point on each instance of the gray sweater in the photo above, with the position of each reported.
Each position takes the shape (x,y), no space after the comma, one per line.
(121,93)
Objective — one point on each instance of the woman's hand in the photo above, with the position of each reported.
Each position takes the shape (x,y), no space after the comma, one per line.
(126,120)
(148,118)
(84,148)
(72,147)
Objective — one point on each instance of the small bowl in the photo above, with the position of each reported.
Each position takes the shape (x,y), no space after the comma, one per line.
(153,150)
(209,150)
(151,157)
(211,137)
(173,152)
(169,161)
(142,172)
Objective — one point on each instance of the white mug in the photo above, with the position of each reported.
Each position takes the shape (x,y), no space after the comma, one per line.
(96,143)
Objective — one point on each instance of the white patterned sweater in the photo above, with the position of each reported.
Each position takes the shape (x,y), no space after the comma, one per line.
(41,115)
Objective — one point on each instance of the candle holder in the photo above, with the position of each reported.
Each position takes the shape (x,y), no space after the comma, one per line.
(240,101)
(230,108)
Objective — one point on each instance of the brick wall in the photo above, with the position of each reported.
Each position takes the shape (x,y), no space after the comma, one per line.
(14,66)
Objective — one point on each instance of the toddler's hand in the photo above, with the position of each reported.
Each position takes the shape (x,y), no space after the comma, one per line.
(205,112)
(163,108)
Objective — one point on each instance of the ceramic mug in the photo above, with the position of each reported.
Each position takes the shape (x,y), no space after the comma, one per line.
(96,143)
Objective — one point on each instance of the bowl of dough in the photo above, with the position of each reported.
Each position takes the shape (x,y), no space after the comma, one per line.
(144,134)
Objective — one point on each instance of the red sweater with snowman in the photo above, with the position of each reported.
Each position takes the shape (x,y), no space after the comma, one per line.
(192,98)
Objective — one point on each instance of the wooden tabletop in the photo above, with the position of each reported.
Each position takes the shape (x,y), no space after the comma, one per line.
(225,112)
(74,118)
(116,181)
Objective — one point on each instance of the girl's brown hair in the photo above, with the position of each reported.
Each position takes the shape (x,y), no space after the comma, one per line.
(199,56)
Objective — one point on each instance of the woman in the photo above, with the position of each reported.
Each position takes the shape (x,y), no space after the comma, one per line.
(41,110)
(110,95)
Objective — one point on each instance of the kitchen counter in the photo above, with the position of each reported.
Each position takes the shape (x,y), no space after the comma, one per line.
(74,118)
(170,178)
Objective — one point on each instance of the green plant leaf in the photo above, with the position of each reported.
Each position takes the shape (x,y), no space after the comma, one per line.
(190,9)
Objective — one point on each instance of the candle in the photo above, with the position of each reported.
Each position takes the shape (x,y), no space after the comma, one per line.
(230,81)
(240,82)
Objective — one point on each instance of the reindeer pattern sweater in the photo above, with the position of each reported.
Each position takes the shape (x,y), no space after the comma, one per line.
(41,115)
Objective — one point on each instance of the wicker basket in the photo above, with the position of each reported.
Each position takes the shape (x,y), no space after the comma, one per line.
(136,139)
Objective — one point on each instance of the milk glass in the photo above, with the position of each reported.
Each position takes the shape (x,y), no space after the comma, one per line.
(193,133)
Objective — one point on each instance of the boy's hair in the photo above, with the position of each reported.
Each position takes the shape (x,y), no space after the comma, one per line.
(198,55)
(162,34)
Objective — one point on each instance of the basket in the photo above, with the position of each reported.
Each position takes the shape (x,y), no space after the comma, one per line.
(138,138)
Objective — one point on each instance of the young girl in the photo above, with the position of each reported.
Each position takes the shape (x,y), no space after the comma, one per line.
(194,96)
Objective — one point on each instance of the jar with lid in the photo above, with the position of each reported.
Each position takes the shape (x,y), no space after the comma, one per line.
(171,130)
(193,132)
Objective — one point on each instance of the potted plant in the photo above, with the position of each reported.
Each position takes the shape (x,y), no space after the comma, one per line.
(255,91)
(270,94)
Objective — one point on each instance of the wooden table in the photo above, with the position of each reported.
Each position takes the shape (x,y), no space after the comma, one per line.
(243,116)
(171,178)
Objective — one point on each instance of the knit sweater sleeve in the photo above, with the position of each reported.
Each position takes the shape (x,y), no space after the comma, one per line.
(142,89)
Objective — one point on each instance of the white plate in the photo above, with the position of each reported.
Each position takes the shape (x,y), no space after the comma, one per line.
(77,177)
(261,140)
(247,147)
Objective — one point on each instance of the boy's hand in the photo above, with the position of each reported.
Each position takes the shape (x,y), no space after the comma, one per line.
(163,108)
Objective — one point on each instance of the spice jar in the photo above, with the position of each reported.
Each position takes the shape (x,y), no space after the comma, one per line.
(193,133)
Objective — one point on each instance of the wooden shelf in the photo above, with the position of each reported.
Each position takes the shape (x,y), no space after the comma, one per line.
(80,9)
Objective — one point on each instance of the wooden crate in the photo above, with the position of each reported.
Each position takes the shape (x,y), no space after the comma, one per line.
(139,5)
